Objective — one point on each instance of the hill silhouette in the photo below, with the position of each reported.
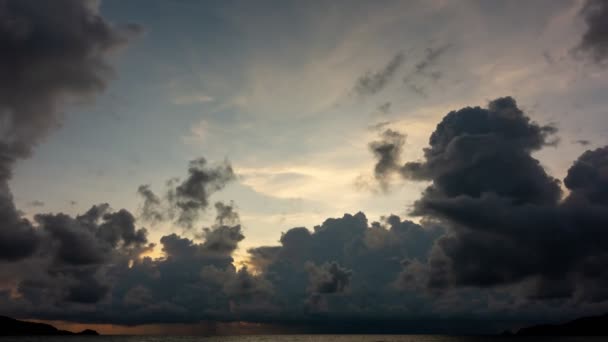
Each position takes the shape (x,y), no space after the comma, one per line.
(12,327)
(586,326)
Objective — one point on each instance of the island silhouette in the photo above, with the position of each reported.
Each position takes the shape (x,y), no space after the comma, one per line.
(13,327)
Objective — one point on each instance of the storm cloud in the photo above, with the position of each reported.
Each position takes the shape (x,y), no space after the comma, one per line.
(98,261)
(53,53)
(594,41)
(507,221)
(345,267)
(77,262)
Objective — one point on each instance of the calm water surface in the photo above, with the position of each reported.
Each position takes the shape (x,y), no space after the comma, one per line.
(302,338)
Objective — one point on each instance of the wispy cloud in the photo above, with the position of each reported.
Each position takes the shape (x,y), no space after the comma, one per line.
(372,83)
(191,99)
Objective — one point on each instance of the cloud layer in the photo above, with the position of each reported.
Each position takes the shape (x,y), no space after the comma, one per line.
(497,239)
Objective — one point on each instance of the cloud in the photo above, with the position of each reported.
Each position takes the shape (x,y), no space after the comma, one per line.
(191,99)
(385,108)
(507,224)
(77,256)
(373,82)
(594,42)
(184,200)
(328,278)
(36,203)
(55,53)
(92,267)
(226,214)
(587,177)
(431,56)
(388,153)
(192,195)
(492,217)
(379,126)
(423,71)
(151,209)
(583,142)
(225,235)
(476,150)
(487,235)
(343,266)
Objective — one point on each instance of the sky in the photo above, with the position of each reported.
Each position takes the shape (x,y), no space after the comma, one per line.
(304,164)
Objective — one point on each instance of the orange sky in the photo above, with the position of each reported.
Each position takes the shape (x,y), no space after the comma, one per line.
(202,328)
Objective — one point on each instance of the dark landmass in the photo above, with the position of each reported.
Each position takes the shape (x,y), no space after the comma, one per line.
(586,326)
(13,327)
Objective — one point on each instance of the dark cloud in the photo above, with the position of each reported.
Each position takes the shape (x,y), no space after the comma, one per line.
(388,153)
(328,278)
(507,224)
(192,195)
(151,209)
(226,214)
(583,142)
(77,257)
(18,239)
(594,42)
(225,235)
(53,53)
(261,257)
(92,268)
(373,82)
(247,286)
(323,280)
(475,151)
(345,267)
(588,177)
(185,200)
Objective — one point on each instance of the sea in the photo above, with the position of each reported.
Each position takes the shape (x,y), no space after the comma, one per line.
(301,338)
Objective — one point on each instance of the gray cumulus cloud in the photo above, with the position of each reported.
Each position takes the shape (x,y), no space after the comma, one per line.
(507,221)
(594,42)
(387,151)
(184,201)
